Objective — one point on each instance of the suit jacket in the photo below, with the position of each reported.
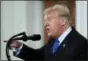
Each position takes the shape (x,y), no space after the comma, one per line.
(74,47)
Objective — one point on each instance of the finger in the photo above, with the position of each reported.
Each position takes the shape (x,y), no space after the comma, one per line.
(14,45)
(6,41)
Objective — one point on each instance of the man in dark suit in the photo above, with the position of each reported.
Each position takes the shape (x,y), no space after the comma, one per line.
(66,43)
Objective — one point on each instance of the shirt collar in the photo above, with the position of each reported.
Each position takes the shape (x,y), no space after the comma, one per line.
(63,36)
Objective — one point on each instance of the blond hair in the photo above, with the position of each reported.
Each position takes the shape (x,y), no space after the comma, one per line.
(62,10)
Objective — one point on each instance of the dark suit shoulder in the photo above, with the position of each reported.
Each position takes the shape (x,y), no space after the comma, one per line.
(76,45)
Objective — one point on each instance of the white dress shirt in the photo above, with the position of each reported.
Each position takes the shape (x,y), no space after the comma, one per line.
(63,36)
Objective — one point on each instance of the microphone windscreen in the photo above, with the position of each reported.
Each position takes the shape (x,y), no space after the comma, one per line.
(35,37)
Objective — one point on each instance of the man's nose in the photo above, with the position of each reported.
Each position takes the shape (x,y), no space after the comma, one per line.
(45,23)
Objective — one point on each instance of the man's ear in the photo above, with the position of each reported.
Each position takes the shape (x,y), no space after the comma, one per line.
(63,21)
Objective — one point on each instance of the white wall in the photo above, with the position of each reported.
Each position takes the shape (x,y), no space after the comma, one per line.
(7,28)
(19,16)
(81,17)
(13,21)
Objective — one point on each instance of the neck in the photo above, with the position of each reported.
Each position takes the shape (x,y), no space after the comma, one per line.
(63,29)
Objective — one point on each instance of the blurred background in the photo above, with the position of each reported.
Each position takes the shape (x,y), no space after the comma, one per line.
(27,16)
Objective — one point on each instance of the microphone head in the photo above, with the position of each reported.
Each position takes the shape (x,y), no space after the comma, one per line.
(35,37)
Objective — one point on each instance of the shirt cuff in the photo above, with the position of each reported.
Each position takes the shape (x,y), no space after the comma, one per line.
(17,50)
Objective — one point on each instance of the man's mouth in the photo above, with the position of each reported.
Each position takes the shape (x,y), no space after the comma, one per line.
(48,30)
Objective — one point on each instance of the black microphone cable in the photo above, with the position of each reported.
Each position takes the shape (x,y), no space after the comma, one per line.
(8,44)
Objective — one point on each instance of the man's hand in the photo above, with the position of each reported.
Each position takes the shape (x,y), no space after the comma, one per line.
(14,44)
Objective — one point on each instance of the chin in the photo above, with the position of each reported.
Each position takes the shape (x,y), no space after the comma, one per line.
(50,36)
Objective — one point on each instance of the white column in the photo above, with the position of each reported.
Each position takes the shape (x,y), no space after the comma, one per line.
(81,17)
(20,16)
(39,28)
(35,22)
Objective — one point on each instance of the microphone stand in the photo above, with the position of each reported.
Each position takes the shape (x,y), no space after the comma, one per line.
(9,42)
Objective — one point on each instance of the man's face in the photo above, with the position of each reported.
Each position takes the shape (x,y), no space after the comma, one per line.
(52,24)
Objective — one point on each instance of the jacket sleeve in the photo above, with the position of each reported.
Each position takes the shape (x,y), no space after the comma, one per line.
(28,53)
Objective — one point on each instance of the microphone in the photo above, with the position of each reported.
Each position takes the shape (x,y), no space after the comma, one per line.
(34,37)
(24,38)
